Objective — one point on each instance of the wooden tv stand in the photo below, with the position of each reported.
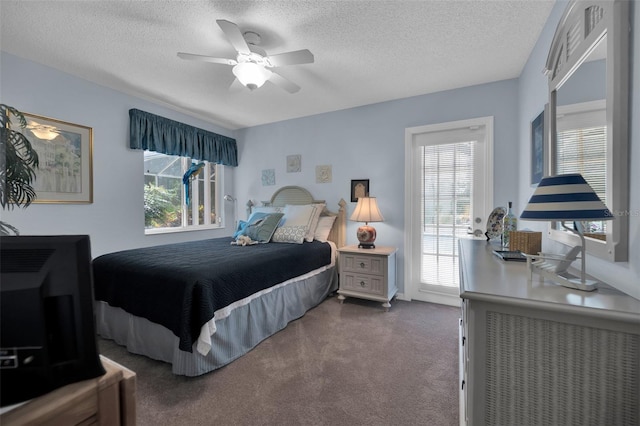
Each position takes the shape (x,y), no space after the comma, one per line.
(106,400)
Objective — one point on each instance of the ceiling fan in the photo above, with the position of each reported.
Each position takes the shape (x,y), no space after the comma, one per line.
(253,67)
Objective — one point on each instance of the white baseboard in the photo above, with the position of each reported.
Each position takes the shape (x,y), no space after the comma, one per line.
(439,298)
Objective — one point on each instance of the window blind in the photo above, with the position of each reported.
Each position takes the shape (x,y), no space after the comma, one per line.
(581,147)
(447,163)
(584,151)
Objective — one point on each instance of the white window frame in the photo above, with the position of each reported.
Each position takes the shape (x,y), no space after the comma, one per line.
(216,205)
(412,196)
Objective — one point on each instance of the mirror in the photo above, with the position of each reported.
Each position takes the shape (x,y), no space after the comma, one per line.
(588,110)
(581,130)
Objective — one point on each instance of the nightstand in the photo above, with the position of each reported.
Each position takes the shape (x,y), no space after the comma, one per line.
(368,274)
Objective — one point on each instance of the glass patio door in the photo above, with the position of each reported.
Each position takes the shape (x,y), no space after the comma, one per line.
(451,195)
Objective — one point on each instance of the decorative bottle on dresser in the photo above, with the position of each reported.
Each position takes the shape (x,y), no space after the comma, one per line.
(509,223)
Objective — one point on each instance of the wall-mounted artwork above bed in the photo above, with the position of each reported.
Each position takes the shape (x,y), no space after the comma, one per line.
(294,163)
(268,177)
(324,174)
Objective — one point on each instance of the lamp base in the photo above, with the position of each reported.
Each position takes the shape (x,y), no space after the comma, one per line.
(547,270)
(366,236)
(366,246)
(587,285)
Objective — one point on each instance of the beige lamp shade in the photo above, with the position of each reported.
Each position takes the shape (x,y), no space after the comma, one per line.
(366,211)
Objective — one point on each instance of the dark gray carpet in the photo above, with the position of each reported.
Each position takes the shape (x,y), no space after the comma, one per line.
(349,364)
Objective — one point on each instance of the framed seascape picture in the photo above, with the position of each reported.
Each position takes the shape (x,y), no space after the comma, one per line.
(65,153)
(359,188)
(537,148)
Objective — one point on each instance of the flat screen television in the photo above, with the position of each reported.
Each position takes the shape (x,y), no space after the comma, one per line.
(47,324)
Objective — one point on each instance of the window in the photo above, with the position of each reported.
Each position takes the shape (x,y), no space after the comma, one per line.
(165,196)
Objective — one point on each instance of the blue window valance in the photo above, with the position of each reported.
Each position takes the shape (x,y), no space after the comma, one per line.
(154,133)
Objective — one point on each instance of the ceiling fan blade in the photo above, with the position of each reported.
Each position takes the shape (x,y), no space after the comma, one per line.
(193,57)
(291,58)
(282,82)
(234,35)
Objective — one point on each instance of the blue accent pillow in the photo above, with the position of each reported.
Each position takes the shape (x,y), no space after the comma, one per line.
(261,229)
(242,225)
(259,226)
(240,229)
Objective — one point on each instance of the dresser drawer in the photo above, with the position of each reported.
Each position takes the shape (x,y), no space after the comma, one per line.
(374,265)
(370,284)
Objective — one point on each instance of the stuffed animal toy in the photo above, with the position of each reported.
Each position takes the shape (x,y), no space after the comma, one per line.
(243,240)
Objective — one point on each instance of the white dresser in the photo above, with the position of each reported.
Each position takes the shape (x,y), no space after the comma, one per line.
(535,353)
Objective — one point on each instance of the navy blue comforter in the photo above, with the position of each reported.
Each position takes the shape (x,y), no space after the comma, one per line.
(180,286)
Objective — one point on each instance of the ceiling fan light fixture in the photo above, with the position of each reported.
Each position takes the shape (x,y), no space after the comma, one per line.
(252,66)
(251,74)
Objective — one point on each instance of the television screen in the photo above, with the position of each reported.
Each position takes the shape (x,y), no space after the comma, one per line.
(47,325)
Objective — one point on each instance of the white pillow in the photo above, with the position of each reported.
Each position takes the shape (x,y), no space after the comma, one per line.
(314,222)
(324,228)
(289,234)
(300,222)
(267,209)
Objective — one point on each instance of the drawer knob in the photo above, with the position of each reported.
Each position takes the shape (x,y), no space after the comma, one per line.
(362,283)
(362,264)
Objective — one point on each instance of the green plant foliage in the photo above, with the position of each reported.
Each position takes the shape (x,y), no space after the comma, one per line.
(159,210)
(18,164)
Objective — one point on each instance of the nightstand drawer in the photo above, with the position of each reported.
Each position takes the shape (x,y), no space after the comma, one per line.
(364,264)
(364,283)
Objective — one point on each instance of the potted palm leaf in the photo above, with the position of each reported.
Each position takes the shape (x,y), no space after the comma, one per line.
(18,163)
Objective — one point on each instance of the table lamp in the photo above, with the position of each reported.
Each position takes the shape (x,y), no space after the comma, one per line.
(366,211)
(563,198)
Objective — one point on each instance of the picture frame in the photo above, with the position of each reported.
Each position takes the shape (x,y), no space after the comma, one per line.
(538,142)
(268,177)
(359,188)
(324,174)
(294,163)
(65,152)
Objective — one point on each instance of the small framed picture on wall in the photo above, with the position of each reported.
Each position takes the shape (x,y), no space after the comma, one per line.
(359,188)
(537,149)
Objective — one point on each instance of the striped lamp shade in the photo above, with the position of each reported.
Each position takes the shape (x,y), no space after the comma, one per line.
(565,197)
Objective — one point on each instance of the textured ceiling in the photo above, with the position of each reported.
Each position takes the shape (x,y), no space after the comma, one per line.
(365,51)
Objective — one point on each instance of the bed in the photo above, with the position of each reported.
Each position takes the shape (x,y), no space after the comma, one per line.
(202,304)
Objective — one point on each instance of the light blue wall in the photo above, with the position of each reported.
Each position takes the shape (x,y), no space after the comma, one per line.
(532,93)
(115,219)
(368,143)
(359,143)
